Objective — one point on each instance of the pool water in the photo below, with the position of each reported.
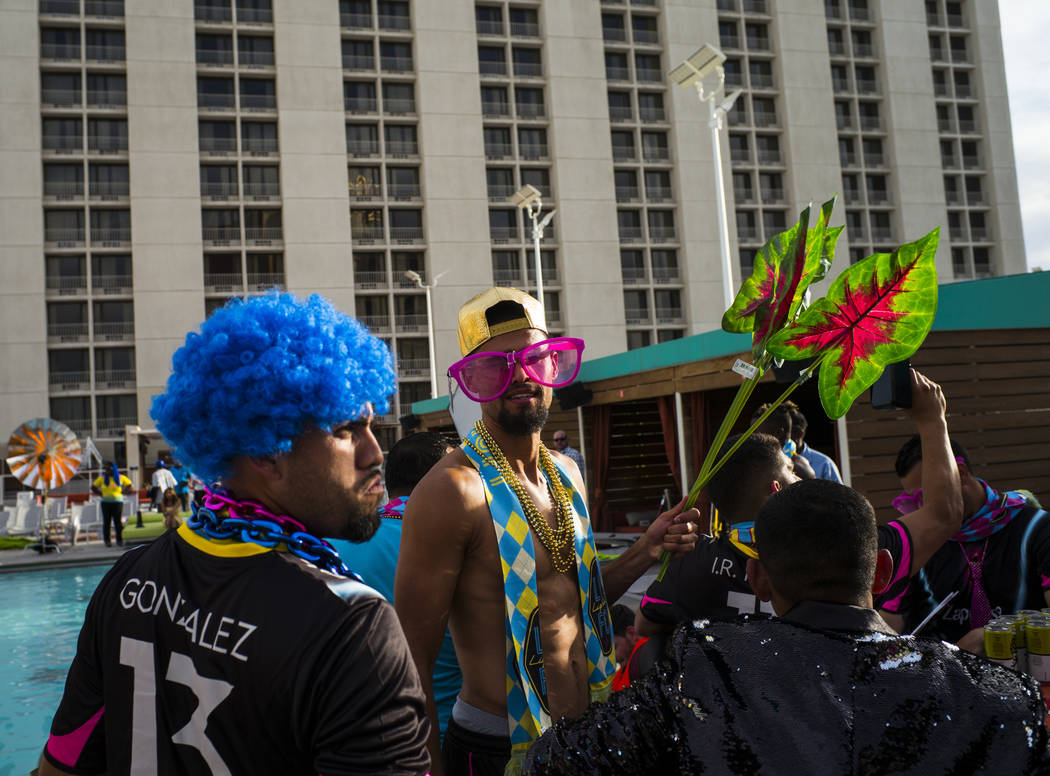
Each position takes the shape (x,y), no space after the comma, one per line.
(40,617)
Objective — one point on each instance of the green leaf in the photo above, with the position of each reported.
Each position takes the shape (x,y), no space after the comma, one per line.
(876,312)
(783,270)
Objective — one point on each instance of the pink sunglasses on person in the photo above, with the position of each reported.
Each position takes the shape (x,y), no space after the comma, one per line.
(552,362)
(907,502)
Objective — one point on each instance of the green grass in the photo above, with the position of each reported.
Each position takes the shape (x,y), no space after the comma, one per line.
(15,542)
(152,527)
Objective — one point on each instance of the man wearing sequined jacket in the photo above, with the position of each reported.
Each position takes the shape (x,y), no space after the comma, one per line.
(728,697)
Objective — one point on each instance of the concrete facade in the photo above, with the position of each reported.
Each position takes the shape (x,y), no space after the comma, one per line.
(160,159)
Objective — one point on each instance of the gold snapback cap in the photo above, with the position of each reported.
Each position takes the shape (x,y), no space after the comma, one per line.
(474,328)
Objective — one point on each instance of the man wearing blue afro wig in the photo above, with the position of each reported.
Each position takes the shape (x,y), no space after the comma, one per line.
(241,643)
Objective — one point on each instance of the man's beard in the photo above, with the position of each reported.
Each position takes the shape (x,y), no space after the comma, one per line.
(363,518)
(522,423)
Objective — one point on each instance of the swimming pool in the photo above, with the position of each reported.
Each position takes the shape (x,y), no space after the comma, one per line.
(40,616)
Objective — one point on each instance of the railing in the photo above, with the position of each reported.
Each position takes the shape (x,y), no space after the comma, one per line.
(214,57)
(859,14)
(358,62)
(853,196)
(410,322)
(106,8)
(658,193)
(114,427)
(949,162)
(356,21)
(406,233)
(219,189)
(871,123)
(524,30)
(219,282)
(968,126)
(492,68)
(105,53)
(847,159)
(832,10)
(669,315)
(404,191)
(960,55)
(217,144)
(768,156)
(627,194)
(645,36)
(60,7)
(254,15)
(112,330)
(259,145)
(874,160)
(413,366)
(729,41)
(215,101)
(397,106)
(837,48)
(772,195)
(506,277)
(528,69)
(109,189)
(375,323)
(974,197)
(955,20)
(867,86)
(371,233)
(621,113)
(60,51)
(255,58)
(839,84)
(395,64)
(489,27)
(221,234)
(656,154)
(622,154)
(617,73)
(69,381)
(363,149)
(394,22)
(67,189)
(727,5)
(530,110)
(64,285)
(740,154)
(61,98)
(762,81)
(115,378)
(265,189)
(631,234)
(742,196)
(666,275)
(766,118)
(662,233)
(652,115)
(112,284)
(979,233)
(734,78)
(503,233)
(258,102)
(67,332)
(755,6)
(371,279)
(118,235)
(205,12)
(498,150)
(636,315)
(64,235)
(614,34)
(402,148)
(63,142)
(963,91)
(262,233)
(360,104)
(261,281)
(650,74)
(633,276)
(495,109)
(109,98)
(533,150)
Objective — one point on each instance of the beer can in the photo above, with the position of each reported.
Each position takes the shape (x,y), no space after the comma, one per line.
(1017,622)
(999,643)
(1038,636)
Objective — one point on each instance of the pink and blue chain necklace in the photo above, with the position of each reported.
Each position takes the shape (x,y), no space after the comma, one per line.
(221,517)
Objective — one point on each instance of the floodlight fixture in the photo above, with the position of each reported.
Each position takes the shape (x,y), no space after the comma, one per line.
(705,60)
(529,200)
(412,275)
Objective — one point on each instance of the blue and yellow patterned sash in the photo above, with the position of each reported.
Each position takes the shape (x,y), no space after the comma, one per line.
(528,713)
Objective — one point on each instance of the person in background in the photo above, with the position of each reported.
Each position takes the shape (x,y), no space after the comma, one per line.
(112,485)
(779,424)
(729,696)
(162,480)
(635,654)
(823,466)
(561,444)
(376,559)
(169,507)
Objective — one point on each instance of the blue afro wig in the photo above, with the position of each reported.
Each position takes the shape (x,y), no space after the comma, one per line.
(261,371)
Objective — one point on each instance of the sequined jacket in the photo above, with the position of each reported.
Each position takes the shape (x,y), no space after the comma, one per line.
(827,689)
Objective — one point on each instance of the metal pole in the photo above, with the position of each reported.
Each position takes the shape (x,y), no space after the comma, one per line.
(680,425)
(579,431)
(430,343)
(715,123)
(843,445)
(535,215)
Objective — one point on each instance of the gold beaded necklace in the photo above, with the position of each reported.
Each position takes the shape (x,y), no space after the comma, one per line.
(560,541)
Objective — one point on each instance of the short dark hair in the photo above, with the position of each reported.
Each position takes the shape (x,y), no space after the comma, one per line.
(411,458)
(622,618)
(752,466)
(818,541)
(782,412)
(798,420)
(911,453)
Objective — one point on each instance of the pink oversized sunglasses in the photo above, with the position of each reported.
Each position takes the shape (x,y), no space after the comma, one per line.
(552,362)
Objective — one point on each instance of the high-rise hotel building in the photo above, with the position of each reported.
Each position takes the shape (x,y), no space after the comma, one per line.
(158,157)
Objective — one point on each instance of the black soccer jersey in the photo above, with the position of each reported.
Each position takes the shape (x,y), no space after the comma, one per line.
(1015,573)
(711,581)
(220,657)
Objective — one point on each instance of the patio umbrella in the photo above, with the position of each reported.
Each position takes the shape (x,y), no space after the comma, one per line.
(43,453)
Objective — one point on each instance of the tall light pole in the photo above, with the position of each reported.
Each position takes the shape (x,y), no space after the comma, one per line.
(706,64)
(414,276)
(528,199)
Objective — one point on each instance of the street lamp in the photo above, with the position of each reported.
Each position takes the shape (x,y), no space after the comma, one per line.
(414,277)
(706,64)
(528,199)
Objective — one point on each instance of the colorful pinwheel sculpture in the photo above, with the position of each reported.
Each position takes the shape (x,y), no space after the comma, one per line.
(43,453)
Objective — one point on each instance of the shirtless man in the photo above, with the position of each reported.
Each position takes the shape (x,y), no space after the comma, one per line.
(450,569)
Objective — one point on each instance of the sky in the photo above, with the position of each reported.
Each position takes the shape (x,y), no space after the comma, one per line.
(1024,27)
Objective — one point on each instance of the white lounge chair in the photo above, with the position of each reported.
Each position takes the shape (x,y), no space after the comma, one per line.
(87,520)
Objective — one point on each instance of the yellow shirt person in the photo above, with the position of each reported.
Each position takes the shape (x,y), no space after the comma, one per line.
(113,490)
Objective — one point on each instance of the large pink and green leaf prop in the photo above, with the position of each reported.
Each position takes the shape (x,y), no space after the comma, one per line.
(783,270)
(876,312)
